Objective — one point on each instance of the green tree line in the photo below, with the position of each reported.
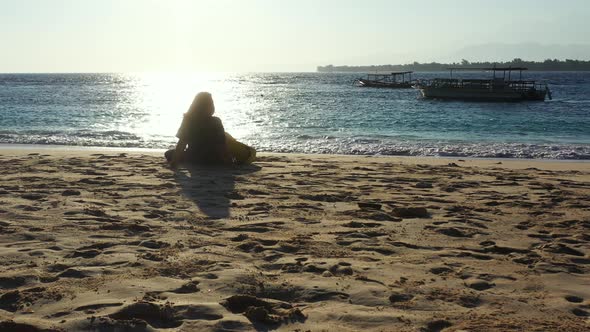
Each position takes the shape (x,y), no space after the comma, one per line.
(547,65)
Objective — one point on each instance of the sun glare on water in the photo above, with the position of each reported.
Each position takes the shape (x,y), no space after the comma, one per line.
(160,100)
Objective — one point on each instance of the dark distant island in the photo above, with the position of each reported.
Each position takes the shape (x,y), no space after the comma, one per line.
(547,65)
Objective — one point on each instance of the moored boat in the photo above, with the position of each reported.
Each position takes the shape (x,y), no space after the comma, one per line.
(498,88)
(395,80)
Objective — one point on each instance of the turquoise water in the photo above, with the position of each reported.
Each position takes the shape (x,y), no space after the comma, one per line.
(295,112)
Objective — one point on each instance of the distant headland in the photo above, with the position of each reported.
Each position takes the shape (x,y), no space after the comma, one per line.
(547,65)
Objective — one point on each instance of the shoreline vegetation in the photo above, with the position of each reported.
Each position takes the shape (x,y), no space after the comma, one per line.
(547,65)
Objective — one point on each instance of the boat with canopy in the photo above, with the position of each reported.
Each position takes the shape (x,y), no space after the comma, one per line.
(500,87)
(394,80)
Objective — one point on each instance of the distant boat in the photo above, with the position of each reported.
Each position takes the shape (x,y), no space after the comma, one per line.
(395,80)
(495,89)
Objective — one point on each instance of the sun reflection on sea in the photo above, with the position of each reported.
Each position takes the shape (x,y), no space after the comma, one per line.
(160,99)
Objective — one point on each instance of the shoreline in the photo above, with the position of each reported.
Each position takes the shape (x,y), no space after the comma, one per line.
(63,149)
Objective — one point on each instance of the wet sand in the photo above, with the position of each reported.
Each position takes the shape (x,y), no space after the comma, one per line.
(105,240)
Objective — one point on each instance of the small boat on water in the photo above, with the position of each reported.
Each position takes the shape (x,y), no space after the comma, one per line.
(395,80)
(498,88)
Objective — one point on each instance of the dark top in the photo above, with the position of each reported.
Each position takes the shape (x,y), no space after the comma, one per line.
(205,137)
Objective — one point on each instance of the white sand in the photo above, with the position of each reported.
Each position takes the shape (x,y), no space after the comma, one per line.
(99,240)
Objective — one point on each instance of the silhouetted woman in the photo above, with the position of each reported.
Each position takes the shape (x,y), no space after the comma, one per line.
(201,136)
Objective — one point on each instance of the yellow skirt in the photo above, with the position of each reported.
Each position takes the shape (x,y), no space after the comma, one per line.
(240,152)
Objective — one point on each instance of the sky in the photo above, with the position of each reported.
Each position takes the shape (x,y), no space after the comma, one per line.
(282,35)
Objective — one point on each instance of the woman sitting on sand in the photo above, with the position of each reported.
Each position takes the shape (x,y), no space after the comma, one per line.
(207,141)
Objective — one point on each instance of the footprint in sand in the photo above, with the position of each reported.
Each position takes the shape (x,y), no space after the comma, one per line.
(358,224)
(91,308)
(28,208)
(479,285)
(251,246)
(17,299)
(400,297)
(452,231)
(73,273)
(158,316)
(10,325)
(269,312)
(17,281)
(580,312)
(32,196)
(423,185)
(411,212)
(189,287)
(71,192)
(153,244)
(152,257)
(84,253)
(442,270)
(341,269)
(314,268)
(437,325)
(469,301)
(574,299)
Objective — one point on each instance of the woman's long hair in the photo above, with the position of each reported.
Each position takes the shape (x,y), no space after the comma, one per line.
(202,105)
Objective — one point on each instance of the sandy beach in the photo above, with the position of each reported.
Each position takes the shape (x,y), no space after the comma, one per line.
(116,241)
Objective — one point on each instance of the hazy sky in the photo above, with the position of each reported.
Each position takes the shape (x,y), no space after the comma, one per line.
(281,35)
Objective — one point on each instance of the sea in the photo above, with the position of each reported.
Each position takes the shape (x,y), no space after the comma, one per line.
(295,112)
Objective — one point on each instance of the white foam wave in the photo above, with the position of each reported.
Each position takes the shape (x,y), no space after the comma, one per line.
(324,145)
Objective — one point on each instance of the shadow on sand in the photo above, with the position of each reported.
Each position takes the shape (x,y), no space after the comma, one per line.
(212,187)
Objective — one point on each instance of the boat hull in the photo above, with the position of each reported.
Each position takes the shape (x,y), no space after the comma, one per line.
(377,84)
(503,95)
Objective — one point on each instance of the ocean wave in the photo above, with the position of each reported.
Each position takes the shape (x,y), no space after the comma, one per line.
(434,149)
(109,138)
(323,145)
(316,144)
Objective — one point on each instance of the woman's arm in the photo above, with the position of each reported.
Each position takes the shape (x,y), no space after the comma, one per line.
(220,142)
(178,153)
(223,153)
